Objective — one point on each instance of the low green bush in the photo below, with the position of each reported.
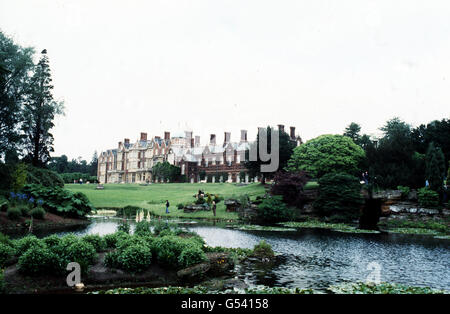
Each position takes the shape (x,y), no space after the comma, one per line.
(81,252)
(37,213)
(24,209)
(263,249)
(37,261)
(272,209)
(167,250)
(143,228)
(135,258)
(97,242)
(2,282)
(128,211)
(428,198)
(6,252)
(24,244)
(124,226)
(52,241)
(160,226)
(112,239)
(191,255)
(6,240)
(14,213)
(180,206)
(404,190)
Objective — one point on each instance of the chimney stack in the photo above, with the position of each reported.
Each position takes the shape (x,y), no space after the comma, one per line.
(243,136)
(212,139)
(126,141)
(192,142)
(143,136)
(197,141)
(120,144)
(281,128)
(226,138)
(188,134)
(167,135)
(292,132)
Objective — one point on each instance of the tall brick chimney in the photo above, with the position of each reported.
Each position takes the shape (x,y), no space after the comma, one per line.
(226,138)
(243,136)
(292,132)
(197,141)
(192,142)
(167,135)
(143,136)
(212,139)
(281,128)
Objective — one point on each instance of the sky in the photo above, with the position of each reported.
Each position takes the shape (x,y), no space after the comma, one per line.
(210,66)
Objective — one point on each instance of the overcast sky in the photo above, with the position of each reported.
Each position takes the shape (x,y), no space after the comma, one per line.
(211,66)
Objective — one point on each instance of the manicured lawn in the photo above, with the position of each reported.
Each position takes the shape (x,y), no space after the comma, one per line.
(154,196)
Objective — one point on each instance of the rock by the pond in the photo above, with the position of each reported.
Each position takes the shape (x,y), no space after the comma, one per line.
(196,207)
(232,204)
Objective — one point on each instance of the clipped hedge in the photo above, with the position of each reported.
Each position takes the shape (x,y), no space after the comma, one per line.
(6,252)
(97,242)
(37,261)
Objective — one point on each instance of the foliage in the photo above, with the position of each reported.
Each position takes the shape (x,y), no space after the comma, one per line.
(143,228)
(75,168)
(81,252)
(134,258)
(52,241)
(191,255)
(166,171)
(39,112)
(112,239)
(14,213)
(128,211)
(19,177)
(2,282)
(435,168)
(428,198)
(404,190)
(339,193)
(290,186)
(352,131)
(180,206)
(263,249)
(326,154)
(124,226)
(37,261)
(60,201)
(272,209)
(72,177)
(44,177)
(286,147)
(381,288)
(97,242)
(25,243)
(37,213)
(6,252)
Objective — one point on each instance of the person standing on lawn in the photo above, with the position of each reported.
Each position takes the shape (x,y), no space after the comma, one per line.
(214,208)
(167,206)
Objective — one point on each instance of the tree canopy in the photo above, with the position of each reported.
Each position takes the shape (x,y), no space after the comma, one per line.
(327,154)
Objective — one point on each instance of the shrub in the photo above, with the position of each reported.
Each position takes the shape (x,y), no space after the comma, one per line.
(6,252)
(272,209)
(134,258)
(128,211)
(263,249)
(24,209)
(37,213)
(2,282)
(124,226)
(339,194)
(160,226)
(60,201)
(143,228)
(110,260)
(44,177)
(25,243)
(290,186)
(180,206)
(6,240)
(81,252)
(166,232)
(37,261)
(97,242)
(167,250)
(404,190)
(52,241)
(14,213)
(112,239)
(191,255)
(428,198)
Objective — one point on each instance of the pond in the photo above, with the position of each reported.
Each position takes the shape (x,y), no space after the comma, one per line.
(318,258)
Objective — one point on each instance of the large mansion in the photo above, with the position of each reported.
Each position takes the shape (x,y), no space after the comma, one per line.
(133,162)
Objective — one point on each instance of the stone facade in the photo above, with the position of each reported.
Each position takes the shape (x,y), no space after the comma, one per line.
(133,162)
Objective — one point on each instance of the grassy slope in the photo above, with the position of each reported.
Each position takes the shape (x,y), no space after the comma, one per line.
(154,196)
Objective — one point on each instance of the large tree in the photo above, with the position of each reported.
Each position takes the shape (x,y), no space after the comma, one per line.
(327,154)
(352,131)
(39,112)
(435,167)
(286,147)
(15,65)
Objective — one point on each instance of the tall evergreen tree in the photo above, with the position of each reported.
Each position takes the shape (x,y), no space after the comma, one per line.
(352,131)
(15,65)
(39,112)
(94,163)
(435,167)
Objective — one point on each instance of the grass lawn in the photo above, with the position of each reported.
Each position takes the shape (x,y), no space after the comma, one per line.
(154,196)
